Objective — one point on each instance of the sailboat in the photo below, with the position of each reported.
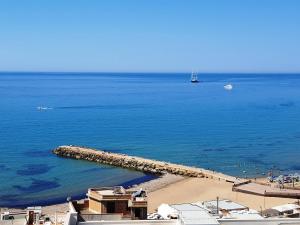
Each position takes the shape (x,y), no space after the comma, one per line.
(194,78)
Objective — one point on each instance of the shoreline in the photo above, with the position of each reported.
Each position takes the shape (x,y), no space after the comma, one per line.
(183,183)
(174,189)
(60,200)
(150,185)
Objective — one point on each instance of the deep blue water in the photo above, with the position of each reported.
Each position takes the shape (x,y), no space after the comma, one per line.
(244,132)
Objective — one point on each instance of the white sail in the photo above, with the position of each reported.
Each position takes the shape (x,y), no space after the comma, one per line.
(194,78)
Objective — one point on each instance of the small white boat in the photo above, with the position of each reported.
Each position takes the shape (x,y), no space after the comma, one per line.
(40,108)
(194,78)
(228,87)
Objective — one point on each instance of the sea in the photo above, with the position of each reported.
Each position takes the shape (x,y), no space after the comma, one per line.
(247,131)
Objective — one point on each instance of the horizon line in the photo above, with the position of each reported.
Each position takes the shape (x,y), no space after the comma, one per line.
(149,72)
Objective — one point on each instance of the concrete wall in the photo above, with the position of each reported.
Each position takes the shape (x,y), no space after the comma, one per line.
(71,216)
(96,206)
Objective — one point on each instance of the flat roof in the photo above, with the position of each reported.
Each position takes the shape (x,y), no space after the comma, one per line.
(116,190)
(187,207)
(106,192)
(286,207)
(192,214)
(244,214)
(225,204)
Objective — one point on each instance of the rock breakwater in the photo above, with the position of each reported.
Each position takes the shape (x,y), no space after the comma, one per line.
(135,163)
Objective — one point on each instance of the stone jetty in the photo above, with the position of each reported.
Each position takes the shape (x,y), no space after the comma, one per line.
(136,163)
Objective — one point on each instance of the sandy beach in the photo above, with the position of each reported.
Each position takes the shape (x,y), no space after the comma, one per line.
(202,189)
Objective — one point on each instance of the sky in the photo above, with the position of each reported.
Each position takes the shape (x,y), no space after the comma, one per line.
(150,36)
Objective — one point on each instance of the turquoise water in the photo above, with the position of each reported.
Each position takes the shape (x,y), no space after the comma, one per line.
(244,132)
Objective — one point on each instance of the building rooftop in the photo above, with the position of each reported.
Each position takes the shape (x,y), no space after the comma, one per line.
(110,191)
(191,214)
(243,214)
(116,193)
(224,205)
(112,203)
(286,207)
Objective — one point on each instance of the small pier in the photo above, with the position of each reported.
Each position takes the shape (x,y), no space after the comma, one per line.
(138,163)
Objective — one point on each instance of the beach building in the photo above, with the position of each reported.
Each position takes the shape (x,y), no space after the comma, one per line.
(228,210)
(288,210)
(74,217)
(192,214)
(187,213)
(198,214)
(112,203)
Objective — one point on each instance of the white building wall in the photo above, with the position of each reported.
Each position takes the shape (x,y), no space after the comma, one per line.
(71,216)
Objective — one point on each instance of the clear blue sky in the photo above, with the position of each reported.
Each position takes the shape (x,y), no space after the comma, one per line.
(152,35)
